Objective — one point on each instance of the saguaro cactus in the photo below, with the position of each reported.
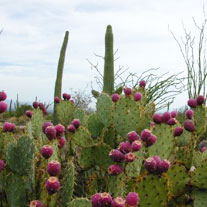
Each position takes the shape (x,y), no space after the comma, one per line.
(108,80)
(58,83)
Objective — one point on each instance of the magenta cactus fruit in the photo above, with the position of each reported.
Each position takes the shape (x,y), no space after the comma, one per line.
(145,135)
(132,199)
(173,114)
(8,127)
(157,159)
(178,131)
(45,125)
(172,121)
(125,147)
(76,123)
(118,202)
(163,166)
(151,140)
(115,97)
(71,128)
(200,100)
(60,129)
(3,96)
(157,118)
(166,116)
(47,151)
(62,142)
(105,199)
(127,91)
(35,104)
(150,165)
(116,155)
(36,203)
(132,136)
(95,200)
(52,185)
(189,126)
(50,132)
(136,146)
(189,113)
(3,107)
(65,95)
(2,165)
(202,150)
(129,157)
(72,101)
(57,99)
(192,103)
(29,113)
(142,84)
(137,96)
(53,168)
(115,170)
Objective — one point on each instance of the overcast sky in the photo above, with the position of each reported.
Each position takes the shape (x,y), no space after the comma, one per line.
(33,32)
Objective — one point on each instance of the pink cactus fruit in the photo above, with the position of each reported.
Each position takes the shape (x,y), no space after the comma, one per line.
(60,129)
(35,104)
(115,97)
(8,127)
(115,169)
(62,142)
(68,96)
(173,114)
(132,199)
(132,136)
(29,113)
(200,100)
(45,125)
(125,147)
(145,135)
(127,91)
(57,99)
(65,95)
(202,150)
(36,203)
(50,132)
(116,155)
(137,96)
(172,121)
(142,84)
(163,166)
(118,202)
(3,96)
(2,165)
(95,200)
(129,157)
(150,165)
(192,103)
(166,116)
(72,101)
(136,146)
(53,168)
(76,123)
(151,140)
(52,185)
(157,118)
(189,126)
(71,128)
(3,107)
(41,106)
(178,131)
(105,199)
(47,151)
(189,113)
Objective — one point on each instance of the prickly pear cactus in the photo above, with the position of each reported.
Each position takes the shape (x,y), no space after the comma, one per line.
(82,202)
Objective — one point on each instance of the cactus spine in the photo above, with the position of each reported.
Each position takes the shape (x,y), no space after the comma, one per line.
(58,82)
(108,79)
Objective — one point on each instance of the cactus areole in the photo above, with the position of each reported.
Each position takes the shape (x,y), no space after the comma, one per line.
(108,79)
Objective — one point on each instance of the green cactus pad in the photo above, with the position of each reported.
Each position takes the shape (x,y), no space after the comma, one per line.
(65,112)
(19,155)
(199,175)
(82,137)
(80,114)
(104,109)
(108,135)
(153,191)
(165,141)
(91,184)
(199,197)
(178,178)
(126,116)
(80,202)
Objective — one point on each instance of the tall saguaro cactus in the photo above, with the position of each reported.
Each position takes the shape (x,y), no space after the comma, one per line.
(58,83)
(108,80)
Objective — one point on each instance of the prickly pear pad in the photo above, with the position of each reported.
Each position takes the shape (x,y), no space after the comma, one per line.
(200,198)
(80,202)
